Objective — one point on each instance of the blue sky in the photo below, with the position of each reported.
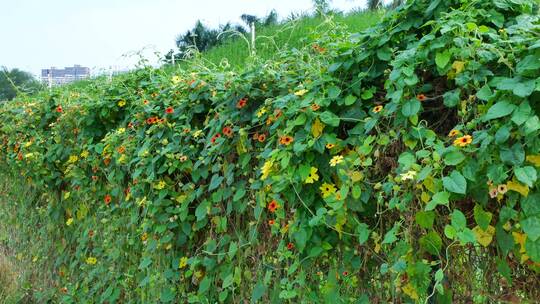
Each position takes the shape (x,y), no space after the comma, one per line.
(38,34)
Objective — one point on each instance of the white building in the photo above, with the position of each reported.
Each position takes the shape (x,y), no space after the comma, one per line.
(66,75)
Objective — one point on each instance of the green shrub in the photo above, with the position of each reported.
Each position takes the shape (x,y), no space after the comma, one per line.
(397,164)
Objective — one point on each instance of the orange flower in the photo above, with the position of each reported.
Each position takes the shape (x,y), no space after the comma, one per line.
(107,161)
(377,109)
(330,146)
(107,199)
(463,141)
(421,97)
(278,113)
(94,178)
(273,206)
(290,246)
(227,131)
(130,125)
(59,109)
(315,107)
(91,233)
(286,140)
(169,110)
(145,101)
(214,138)
(241,103)
(453,133)
(121,150)
(345,273)
(261,137)
(271,222)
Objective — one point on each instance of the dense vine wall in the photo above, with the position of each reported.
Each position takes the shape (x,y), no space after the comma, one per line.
(390,165)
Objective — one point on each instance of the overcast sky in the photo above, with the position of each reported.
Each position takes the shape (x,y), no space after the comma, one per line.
(38,34)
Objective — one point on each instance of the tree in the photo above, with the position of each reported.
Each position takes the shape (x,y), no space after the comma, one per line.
(374,4)
(321,6)
(15,81)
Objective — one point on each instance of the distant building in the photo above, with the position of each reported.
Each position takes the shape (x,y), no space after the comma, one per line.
(65,75)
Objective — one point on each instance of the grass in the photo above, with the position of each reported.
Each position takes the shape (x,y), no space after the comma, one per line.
(25,270)
(292,34)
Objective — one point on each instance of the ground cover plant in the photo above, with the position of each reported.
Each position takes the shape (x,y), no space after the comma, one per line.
(398,164)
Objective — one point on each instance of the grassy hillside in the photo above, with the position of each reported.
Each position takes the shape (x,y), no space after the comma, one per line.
(292,34)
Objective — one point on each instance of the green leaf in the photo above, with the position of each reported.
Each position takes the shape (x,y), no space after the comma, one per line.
(455,183)
(442,59)
(454,158)
(258,292)
(531,226)
(384,53)
(482,218)
(504,270)
(532,125)
(333,92)
(145,262)
(526,175)
(466,236)
(484,93)
(425,219)
(349,100)
(533,249)
(406,159)
(330,119)
(439,198)
(215,182)
(459,222)
(228,281)
(524,88)
(530,206)
(514,155)
(498,110)
(167,295)
(411,107)
(205,285)
(390,236)
(363,233)
(451,98)
(431,243)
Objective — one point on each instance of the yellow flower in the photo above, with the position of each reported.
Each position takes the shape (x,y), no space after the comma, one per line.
(327,190)
(408,175)
(85,154)
(183,262)
(197,133)
(312,177)
(121,130)
(330,146)
(72,159)
(91,261)
(160,185)
(121,103)
(336,160)
(176,79)
(266,169)
(69,221)
(261,112)
(377,109)
(463,141)
(301,92)
(453,133)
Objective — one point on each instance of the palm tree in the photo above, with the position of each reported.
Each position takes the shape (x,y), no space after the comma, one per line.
(374,4)
(321,6)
